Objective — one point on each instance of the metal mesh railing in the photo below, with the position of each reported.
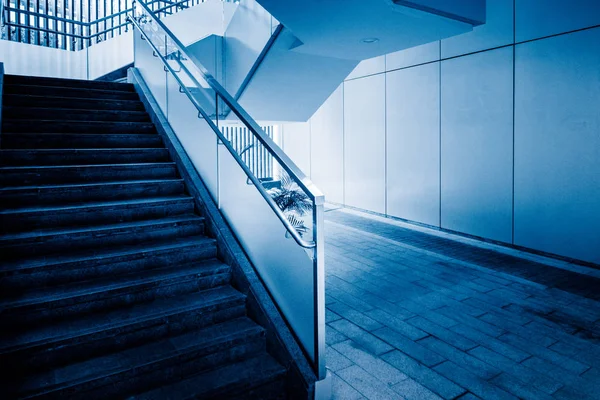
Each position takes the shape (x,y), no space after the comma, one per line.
(74,24)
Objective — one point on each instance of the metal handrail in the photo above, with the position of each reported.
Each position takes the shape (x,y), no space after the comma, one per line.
(301,179)
(316,197)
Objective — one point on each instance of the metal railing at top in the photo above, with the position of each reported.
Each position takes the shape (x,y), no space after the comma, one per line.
(213,102)
(77,24)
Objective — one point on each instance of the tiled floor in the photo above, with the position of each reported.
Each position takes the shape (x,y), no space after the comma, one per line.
(420,316)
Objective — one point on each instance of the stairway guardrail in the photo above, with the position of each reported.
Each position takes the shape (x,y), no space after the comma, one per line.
(54,24)
(217,107)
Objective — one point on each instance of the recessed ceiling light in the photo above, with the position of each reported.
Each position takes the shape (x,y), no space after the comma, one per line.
(370,40)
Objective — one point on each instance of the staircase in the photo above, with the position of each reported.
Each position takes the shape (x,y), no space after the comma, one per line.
(109,287)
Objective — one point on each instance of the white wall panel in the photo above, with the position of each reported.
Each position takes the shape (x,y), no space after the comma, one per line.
(364,143)
(413,144)
(296,143)
(477,144)
(370,66)
(29,59)
(497,31)
(110,55)
(539,18)
(557,145)
(413,56)
(327,147)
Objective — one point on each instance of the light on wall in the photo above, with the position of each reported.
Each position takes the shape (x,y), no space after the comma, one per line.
(369,40)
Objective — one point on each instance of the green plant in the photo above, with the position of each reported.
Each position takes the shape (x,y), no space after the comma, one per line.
(292,201)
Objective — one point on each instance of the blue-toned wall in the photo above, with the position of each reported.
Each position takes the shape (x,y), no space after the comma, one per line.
(494,133)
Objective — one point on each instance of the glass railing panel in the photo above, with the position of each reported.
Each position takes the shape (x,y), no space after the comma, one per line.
(273,208)
(151,69)
(195,135)
(286,268)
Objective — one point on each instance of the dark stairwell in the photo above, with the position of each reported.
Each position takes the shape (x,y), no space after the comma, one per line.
(109,284)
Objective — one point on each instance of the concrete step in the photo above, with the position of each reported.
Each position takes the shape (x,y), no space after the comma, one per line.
(67,240)
(68,114)
(85,103)
(72,92)
(22,219)
(20,276)
(79,127)
(24,157)
(56,303)
(32,175)
(65,194)
(61,82)
(66,342)
(78,141)
(260,377)
(145,367)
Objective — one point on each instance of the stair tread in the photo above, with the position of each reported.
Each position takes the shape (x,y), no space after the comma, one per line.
(67,98)
(25,168)
(90,184)
(99,322)
(138,357)
(87,90)
(102,253)
(238,376)
(41,233)
(68,82)
(58,208)
(77,289)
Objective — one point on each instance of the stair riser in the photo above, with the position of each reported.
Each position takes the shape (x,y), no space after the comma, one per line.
(75,141)
(164,372)
(25,113)
(272,390)
(42,81)
(68,195)
(59,274)
(74,93)
(57,244)
(55,311)
(94,215)
(70,350)
(108,173)
(79,127)
(80,104)
(82,157)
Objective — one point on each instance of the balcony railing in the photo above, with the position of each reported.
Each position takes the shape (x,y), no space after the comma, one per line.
(74,25)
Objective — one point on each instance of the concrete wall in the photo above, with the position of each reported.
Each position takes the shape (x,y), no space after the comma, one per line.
(493,133)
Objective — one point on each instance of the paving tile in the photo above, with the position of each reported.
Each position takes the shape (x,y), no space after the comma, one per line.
(333,336)
(444,334)
(545,353)
(335,360)
(521,331)
(342,390)
(355,317)
(367,384)
(412,390)
(465,360)
(527,375)
(424,375)
(330,316)
(491,343)
(472,382)
(469,396)
(438,318)
(383,371)
(398,325)
(413,349)
(519,388)
(472,322)
(364,339)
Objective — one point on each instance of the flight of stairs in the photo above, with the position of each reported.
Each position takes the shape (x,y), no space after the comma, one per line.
(108,286)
